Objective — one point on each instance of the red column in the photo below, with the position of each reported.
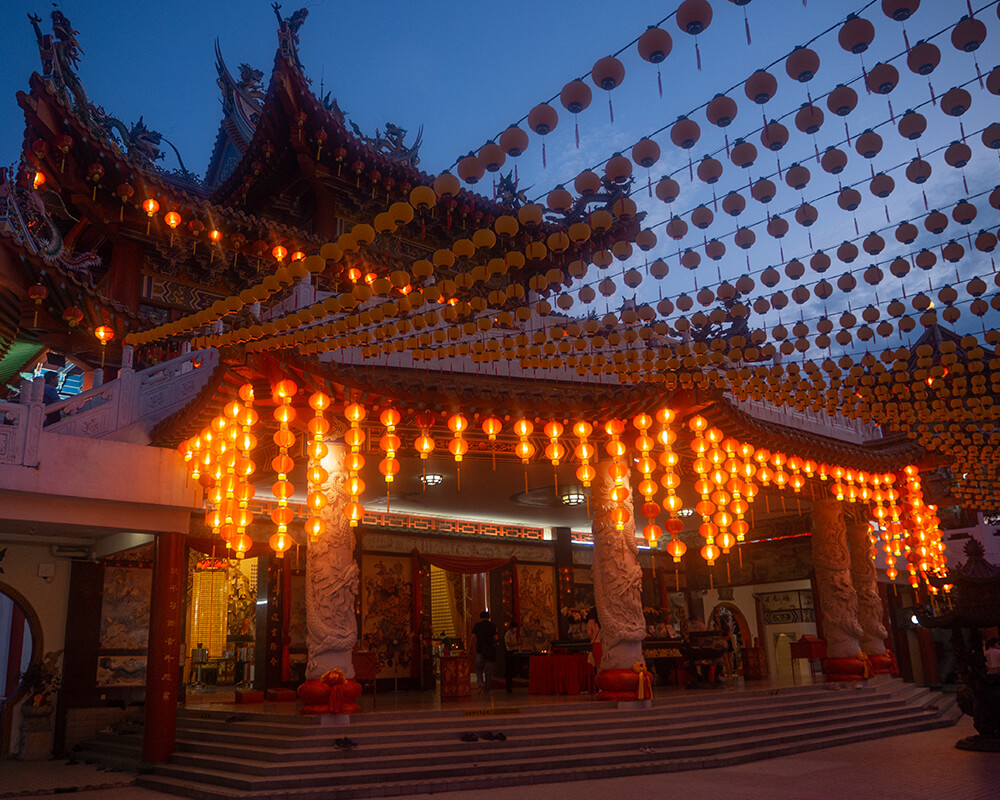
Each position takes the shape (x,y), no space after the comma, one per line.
(164,648)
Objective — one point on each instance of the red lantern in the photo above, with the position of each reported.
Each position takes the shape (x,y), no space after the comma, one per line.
(968,34)
(849,199)
(492,156)
(842,100)
(900,10)
(918,171)
(797,176)
(763,191)
(721,110)
(833,160)
(809,118)
(923,58)
(856,34)
(701,218)
(618,168)
(685,133)
(957,154)
(774,136)
(654,45)
(694,16)
(542,119)
(743,154)
(955,102)
(514,141)
(73,316)
(912,125)
(868,144)
(608,73)
(470,169)
(802,64)
(806,215)
(760,87)
(645,153)
(709,170)
(882,78)
(667,190)
(734,204)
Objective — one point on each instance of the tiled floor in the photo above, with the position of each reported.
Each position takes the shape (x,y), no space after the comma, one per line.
(920,766)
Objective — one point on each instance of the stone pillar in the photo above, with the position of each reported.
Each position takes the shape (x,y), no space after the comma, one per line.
(617,590)
(332,581)
(869,600)
(162,661)
(837,600)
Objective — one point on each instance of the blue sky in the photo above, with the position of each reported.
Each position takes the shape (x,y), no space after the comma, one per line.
(466,70)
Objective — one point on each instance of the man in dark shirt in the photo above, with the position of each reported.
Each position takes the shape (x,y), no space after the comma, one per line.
(485,634)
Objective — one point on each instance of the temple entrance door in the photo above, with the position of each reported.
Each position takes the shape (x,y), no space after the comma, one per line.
(20,645)
(728,618)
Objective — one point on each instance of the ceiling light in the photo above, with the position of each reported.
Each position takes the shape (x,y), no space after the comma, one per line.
(685,512)
(573,497)
(431,479)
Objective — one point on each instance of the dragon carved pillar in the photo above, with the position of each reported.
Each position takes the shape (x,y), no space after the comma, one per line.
(332,581)
(617,584)
(869,600)
(838,601)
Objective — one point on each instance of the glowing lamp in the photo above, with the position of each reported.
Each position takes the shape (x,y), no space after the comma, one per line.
(39,179)
(524,428)
(241,543)
(491,427)
(677,549)
(279,253)
(424,445)
(458,448)
(355,413)
(524,450)
(172,218)
(586,474)
(73,316)
(652,534)
(150,206)
(697,424)
(390,418)
(620,516)
(280,542)
(354,513)
(710,552)
(315,527)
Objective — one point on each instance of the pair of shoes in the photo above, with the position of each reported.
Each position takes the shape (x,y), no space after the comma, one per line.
(469,737)
(646,749)
(237,718)
(345,744)
(494,737)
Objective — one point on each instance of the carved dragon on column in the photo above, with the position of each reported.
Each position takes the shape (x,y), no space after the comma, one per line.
(869,601)
(838,602)
(332,582)
(618,594)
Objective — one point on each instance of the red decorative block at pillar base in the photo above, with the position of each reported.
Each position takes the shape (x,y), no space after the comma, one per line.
(883,664)
(846,669)
(624,684)
(330,695)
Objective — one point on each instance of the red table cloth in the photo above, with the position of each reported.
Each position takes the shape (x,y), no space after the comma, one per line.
(560,674)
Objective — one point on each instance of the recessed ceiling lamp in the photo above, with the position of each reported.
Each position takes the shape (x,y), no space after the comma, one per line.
(685,512)
(573,497)
(431,479)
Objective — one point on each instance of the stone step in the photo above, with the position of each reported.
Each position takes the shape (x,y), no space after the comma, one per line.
(595,731)
(533,771)
(257,762)
(714,705)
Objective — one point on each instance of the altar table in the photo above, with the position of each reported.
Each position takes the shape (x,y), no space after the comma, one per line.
(560,674)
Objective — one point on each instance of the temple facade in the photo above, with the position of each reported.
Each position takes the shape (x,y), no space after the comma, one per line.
(320,409)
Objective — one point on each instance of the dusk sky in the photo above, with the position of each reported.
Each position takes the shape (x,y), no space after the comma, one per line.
(466,70)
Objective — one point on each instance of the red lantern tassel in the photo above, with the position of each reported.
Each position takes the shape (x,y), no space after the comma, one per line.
(649,185)
(576,130)
(847,131)
(891,115)
(746,24)
(659,82)
(979,73)
(906,41)
(543,156)
(697,54)
(611,110)
(931,87)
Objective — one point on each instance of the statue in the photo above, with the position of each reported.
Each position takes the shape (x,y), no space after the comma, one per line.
(617,593)
(332,579)
(391,142)
(838,602)
(866,587)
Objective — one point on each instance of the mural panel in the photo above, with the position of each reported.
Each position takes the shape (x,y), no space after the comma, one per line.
(387,613)
(125,608)
(537,588)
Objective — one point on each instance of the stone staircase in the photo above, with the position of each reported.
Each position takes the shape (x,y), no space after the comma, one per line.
(257,755)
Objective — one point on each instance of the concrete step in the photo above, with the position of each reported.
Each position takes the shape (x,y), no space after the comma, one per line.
(420,752)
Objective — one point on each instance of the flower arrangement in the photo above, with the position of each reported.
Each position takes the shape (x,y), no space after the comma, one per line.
(575,615)
(43,678)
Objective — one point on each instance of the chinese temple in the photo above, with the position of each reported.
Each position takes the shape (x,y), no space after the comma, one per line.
(318,410)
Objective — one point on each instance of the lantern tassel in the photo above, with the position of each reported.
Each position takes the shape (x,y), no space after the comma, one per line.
(677,579)
(543,156)
(697,54)
(611,109)
(576,130)
(739,551)
(746,24)
(979,73)
(906,41)
(659,82)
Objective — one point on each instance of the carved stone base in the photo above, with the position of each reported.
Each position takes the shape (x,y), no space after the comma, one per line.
(845,669)
(319,697)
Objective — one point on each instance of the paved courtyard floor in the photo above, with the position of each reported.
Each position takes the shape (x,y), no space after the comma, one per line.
(918,766)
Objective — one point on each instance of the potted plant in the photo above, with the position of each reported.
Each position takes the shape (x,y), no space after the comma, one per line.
(42,680)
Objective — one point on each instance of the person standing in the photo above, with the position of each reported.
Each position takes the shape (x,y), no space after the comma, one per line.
(594,634)
(484,633)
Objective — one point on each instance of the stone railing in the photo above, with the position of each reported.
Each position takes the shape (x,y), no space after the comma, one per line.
(125,408)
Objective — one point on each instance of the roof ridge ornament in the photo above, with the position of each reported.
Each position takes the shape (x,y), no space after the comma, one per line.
(288,34)
(60,53)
